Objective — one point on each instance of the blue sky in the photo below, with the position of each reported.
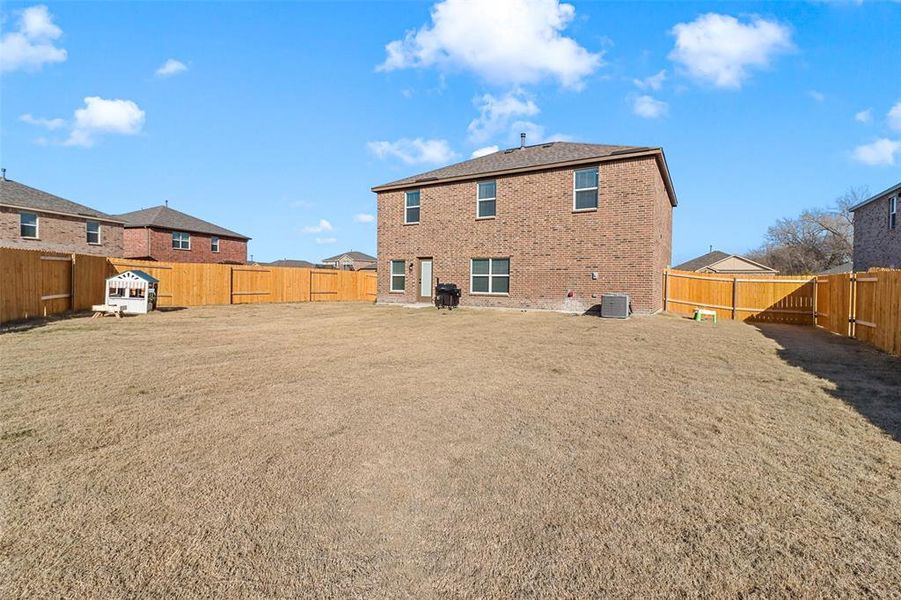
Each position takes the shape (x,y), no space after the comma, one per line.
(275,120)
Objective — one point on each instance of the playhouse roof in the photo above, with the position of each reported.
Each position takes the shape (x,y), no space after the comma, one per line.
(135,273)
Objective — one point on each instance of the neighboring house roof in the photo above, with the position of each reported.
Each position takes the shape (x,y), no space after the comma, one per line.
(711,259)
(353,255)
(532,158)
(882,194)
(164,217)
(845,267)
(17,195)
(287,262)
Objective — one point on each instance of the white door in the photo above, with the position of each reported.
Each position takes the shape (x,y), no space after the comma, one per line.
(425,278)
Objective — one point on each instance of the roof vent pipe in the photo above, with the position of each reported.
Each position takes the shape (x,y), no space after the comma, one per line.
(3,174)
(522,140)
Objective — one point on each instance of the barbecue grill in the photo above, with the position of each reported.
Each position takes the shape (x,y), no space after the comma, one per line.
(447,295)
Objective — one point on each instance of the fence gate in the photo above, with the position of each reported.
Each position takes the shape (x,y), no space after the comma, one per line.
(323,285)
(56,284)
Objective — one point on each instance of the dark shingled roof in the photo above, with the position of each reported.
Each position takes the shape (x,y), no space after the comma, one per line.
(290,262)
(13,193)
(528,158)
(164,217)
(353,254)
(518,158)
(702,261)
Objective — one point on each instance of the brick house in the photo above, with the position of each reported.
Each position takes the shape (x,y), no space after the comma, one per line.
(351,261)
(34,219)
(165,234)
(877,231)
(549,226)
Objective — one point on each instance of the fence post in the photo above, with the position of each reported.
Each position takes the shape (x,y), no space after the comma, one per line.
(72,278)
(231,285)
(852,299)
(816,286)
(665,290)
(734,296)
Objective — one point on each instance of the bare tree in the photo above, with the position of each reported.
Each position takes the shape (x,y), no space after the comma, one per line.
(814,241)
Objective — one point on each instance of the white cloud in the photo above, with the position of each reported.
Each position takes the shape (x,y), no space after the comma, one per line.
(893,118)
(31,46)
(484,151)
(50,124)
(879,153)
(414,151)
(301,204)
(100,116)
(720,50)
(649,108)
(501,41)
(364,218)
(323,226)
(864,116)
(816,96)
(654,82)
(326,240)
(171,67)
(496,114)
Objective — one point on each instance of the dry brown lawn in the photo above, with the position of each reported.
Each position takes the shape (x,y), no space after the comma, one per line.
(352,450)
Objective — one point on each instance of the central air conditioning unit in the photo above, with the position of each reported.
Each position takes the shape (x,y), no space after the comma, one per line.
(615,306)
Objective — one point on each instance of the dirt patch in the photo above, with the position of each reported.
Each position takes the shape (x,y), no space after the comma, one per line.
(333,450)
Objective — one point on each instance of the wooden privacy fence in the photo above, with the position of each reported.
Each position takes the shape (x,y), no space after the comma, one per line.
(865,306)
(35,283)
(761,298)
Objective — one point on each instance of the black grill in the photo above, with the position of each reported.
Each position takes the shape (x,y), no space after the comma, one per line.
(447,295)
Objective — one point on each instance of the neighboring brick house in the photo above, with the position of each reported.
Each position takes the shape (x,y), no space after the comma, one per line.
(351,261)
(716,261)
(877,231)
(549,226)
(165,234)
(34,219)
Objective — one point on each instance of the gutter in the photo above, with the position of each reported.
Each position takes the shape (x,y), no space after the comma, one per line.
(63,214)
(656,152)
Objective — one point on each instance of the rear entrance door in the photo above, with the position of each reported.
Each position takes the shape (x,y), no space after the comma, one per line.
(425,279)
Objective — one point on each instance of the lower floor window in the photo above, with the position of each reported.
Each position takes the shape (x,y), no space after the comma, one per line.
(490,276)
(398,276)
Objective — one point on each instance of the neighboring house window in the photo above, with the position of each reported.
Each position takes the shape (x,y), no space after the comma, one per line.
(214,244)
(585,189)
(490,276)
(28,225)
(398,276)
(93,232)
(411,210)
(485,201)
(181,240)
(893,212)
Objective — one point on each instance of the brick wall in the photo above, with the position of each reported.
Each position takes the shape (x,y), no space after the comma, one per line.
(61,233)
(875,245)
(553,250)
(157,244)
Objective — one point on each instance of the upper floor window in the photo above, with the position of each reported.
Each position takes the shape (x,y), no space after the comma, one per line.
(411,207)
(489,276)
(28,225)
(214,244)
(485,200)
(893,212)
(398,276)
(93,232)
(585,189)
(181,240)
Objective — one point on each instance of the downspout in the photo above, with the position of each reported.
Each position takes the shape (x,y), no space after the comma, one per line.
(147,232)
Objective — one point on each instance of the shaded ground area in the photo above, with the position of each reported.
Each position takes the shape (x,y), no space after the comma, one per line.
(331,450)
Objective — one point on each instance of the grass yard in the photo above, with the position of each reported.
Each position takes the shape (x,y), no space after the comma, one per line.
(326,450)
